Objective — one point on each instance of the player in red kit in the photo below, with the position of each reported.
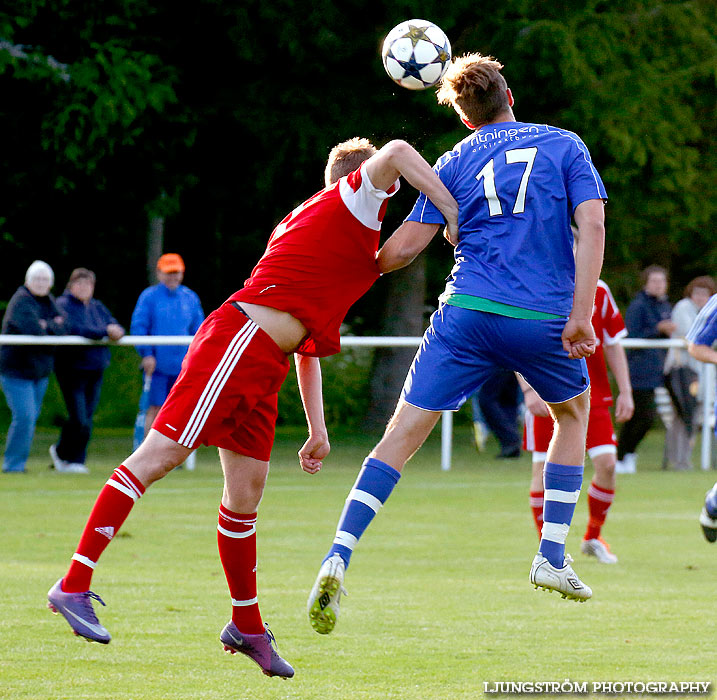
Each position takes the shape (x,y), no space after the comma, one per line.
(601,443)
(320,259)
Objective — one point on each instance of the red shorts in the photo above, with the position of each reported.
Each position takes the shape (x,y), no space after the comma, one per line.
(601,439)
(226,394)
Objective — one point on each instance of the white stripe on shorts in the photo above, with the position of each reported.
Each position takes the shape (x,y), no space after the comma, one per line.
(216,383)
(561,496)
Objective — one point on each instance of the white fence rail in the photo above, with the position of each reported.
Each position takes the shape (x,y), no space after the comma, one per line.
(708,385)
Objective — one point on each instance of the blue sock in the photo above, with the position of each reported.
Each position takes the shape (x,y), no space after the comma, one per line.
(373,486)
(562,488)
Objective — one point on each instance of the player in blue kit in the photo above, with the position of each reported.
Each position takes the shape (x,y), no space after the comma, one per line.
(516,299)
(701,339)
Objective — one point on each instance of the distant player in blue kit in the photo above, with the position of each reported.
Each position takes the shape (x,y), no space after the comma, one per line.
(701,340)
(516,299)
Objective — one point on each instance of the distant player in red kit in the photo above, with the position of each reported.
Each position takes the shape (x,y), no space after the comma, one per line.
(601,444)
(320,259)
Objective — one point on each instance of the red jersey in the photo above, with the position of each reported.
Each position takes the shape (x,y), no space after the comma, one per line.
(609,328)
(321,259)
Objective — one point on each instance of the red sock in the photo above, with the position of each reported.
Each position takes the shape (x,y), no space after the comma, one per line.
(111,509)
(236,537)
(536,505)
(599,502)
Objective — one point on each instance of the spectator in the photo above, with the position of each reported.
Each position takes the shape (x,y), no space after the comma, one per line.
(682,377)
(648,316)
(25,370)
(167,308)
(79,370)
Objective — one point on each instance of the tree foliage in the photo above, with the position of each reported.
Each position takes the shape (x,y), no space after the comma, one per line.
(230,108)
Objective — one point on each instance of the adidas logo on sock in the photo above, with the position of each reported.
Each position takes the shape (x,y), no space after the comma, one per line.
(108,532)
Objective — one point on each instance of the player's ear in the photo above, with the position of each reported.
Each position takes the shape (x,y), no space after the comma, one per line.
(511,99)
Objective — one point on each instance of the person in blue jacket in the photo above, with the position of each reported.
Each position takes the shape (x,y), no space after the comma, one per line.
(25,370)
(167,308)
(647,316)
(79,369)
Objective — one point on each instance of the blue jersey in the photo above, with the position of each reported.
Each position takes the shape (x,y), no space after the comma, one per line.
(704,328)
(163,311)
(517,186)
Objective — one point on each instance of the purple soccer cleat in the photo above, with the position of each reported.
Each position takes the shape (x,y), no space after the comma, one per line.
(260,648)
(77,609)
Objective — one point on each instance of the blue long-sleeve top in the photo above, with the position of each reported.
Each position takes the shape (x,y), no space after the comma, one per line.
(89,320)
(162,311)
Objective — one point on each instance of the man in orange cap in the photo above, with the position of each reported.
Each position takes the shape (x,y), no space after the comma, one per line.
(167,308)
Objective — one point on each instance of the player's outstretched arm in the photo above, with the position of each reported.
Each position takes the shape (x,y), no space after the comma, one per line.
(578,335)
(400,158)
(316,447)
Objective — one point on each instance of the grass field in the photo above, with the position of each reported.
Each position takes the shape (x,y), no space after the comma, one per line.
(439,595)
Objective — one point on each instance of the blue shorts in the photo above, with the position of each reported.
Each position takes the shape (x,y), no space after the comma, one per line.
(462,348)
(160,387)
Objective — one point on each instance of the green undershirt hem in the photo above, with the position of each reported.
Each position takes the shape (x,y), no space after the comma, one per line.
(467,301)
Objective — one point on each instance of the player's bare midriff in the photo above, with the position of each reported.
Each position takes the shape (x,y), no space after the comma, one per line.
(285,330)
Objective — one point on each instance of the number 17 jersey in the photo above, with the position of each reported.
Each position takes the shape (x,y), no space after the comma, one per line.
(517,186)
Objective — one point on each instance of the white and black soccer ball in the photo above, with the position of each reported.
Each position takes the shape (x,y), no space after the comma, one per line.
(416,54)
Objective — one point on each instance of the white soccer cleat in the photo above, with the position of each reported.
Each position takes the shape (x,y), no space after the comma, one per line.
(628,464)
(544,575)
(599,549)
(323,603)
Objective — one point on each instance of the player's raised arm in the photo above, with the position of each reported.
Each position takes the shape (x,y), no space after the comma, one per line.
(400,158)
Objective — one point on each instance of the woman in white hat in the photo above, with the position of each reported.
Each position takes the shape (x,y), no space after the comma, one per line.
(25,369)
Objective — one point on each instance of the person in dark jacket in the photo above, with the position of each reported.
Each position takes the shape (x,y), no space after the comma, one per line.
(79,369)
(648,316)
(25,369)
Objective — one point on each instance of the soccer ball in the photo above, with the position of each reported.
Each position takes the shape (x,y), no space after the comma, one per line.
(416,54)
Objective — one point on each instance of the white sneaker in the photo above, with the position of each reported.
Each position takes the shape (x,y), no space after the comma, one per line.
(544,575)
(628,464)
(76,468)
(323,603)
(600,549)
(58,464)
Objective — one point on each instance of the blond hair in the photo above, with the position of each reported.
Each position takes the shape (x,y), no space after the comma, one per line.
(475,87)
(345,157)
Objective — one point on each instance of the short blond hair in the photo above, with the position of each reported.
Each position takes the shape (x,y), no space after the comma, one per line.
(345,157)
(475,87)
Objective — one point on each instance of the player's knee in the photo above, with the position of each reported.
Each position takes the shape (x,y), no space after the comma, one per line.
(573,412)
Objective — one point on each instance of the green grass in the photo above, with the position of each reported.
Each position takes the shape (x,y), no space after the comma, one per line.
(439,595)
